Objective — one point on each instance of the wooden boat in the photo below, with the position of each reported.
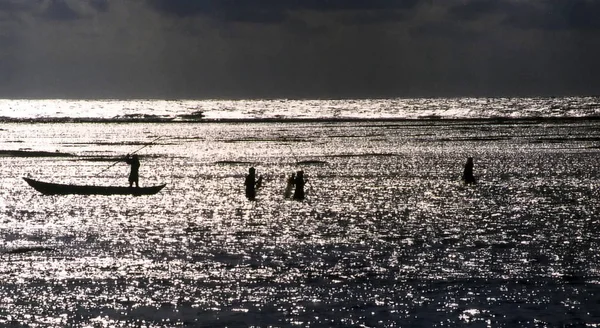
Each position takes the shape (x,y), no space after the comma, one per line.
(66,189)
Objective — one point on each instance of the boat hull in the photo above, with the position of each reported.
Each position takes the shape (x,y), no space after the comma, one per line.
(47,188)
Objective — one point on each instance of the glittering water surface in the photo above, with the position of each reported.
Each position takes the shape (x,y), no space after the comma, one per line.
(282,109)
(387,236)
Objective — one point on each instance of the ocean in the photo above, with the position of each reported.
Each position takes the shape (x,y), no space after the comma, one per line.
(387,236)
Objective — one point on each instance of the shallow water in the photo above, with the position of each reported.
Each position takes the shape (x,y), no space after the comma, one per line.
(387,236)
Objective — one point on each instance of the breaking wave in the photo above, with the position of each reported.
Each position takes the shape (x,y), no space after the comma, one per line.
(283,110)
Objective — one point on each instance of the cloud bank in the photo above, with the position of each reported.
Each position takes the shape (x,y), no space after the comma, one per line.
(298,48)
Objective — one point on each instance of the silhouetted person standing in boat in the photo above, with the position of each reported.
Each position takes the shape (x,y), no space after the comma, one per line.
(134,175)
(252,184)
(468,177)
(299,181)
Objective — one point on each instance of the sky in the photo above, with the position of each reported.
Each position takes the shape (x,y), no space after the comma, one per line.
(198,49)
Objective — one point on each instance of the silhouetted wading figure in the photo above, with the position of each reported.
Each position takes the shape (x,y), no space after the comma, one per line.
(252,184)
(468,177)
(134,175)
(299,181)
(289,186)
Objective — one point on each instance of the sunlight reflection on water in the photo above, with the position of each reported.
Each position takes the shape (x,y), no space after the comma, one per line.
(185,109)
(387,236)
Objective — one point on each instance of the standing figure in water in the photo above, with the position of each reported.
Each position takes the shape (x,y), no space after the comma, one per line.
(134,175)
(289,186)
(468,177)
(252,184)
(299,181)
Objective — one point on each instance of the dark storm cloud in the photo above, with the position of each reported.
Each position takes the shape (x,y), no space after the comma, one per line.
(354,4)
(535,14)
(16,5)
(541,14)
(561,14)
(584,14)
(475,9)
(445,29)
(60,10)
(227,10)
(298,48)
(374,17)
(99,5)
(275,11)
(7,41)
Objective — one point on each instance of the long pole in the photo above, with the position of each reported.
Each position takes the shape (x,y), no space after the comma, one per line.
(148,144)
(115,163)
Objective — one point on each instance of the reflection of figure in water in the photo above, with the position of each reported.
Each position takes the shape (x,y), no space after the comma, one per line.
(289,186)
(299,181)
(134,175)
(468,177)
(252,184)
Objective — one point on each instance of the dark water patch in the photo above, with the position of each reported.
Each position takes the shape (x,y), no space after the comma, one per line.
(194,228)
(288,139)
(574,278)
(312,162)
(196,115)
(92,158)
(23,250)
(503,245)
(187,138)
(28,153)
